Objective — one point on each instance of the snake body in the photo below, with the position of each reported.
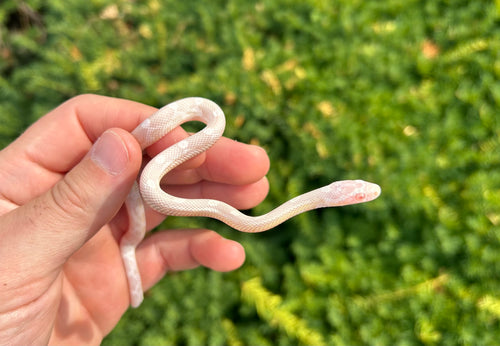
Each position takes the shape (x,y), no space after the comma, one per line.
(149,191)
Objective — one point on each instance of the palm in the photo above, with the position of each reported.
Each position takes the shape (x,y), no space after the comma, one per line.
(94,290)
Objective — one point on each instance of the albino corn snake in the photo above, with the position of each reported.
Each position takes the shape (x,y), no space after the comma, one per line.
(149,191)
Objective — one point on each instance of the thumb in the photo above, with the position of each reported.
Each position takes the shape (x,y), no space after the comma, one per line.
(40,235)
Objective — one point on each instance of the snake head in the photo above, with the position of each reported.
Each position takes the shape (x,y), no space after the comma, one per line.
(347,192)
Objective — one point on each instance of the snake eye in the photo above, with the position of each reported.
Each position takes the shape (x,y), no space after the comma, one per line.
(360,196)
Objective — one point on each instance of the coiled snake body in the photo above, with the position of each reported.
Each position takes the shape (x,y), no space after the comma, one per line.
(149,191)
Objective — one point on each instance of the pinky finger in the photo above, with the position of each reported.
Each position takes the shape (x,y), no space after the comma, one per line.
(186,249)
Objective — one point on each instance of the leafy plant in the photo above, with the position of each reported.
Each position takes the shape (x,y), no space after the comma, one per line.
(404,94)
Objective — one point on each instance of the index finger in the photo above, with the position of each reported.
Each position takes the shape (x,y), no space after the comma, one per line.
(59,140)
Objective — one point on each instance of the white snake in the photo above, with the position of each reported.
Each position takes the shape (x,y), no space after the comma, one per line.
(165,120)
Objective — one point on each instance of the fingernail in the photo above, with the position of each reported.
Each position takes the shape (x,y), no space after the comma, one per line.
(110,153)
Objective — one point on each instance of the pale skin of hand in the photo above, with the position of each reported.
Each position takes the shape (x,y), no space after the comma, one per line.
(61,217)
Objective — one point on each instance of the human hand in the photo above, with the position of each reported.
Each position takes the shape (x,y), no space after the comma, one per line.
(61,218)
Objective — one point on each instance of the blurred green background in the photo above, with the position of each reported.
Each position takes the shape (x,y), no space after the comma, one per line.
(402,93)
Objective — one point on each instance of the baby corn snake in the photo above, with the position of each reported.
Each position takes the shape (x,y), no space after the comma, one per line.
(148,190)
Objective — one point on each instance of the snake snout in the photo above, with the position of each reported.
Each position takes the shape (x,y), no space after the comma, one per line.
(371,191)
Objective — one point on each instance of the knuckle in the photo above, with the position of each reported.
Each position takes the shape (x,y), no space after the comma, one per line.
(81,98)
(68,198)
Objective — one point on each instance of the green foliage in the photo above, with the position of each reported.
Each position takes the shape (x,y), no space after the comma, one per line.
(269,307)
(402,93)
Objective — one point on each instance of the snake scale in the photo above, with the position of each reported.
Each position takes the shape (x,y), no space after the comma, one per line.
(148,189)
